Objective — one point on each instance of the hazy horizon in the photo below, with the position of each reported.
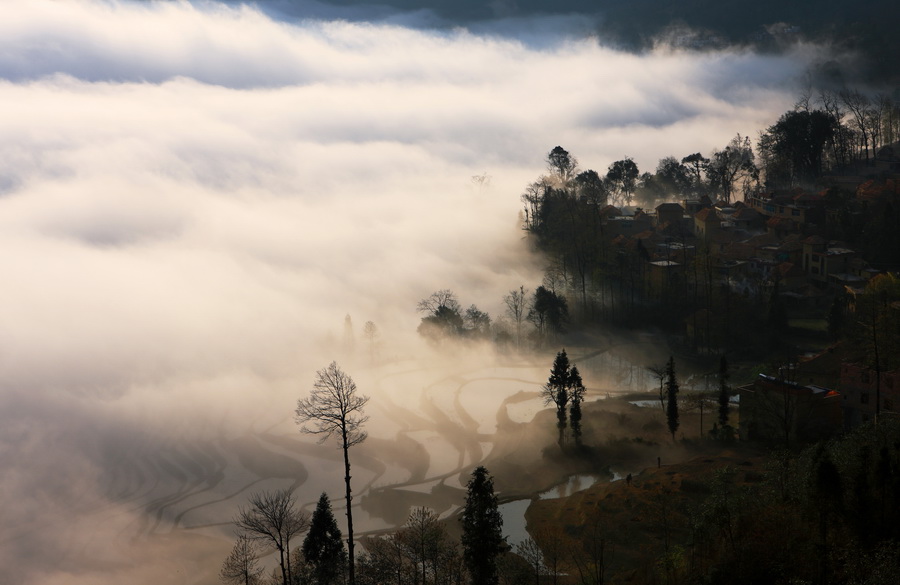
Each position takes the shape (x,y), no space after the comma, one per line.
(193,196)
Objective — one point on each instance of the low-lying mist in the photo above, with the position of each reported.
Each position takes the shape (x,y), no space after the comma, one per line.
(194,197)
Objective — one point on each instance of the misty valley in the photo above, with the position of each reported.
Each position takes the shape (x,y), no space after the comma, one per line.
(302,293)
(432,423)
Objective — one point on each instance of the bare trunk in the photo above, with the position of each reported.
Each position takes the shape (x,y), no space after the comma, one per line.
(351,563)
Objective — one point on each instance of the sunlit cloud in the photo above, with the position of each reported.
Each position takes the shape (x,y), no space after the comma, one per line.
(193,196)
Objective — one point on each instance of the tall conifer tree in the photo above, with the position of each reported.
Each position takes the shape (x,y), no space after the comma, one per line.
(482,537)
(323,548)
(576,397)
(556,390)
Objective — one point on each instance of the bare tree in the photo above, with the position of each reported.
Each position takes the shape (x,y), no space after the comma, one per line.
(529,550)
(860,107)
(272,518)
(533,198)
(384,561)
(889,113)
(659,372)
(370,333)
(590,558)
(831,102)
(444,298)
(698,400)
(727,166)
(424,539)
(517,309)
(335,409)
(557,547)
(241,566)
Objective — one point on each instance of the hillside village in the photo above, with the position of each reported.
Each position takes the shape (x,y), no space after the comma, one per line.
(785,275)
(776,244)
(801,281)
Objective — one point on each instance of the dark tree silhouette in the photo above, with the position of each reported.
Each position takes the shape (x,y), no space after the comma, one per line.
(589,185)
(273,519)
(323,548)
(728,165)
(696,164)
(556,391)
(335,409)
(565,390)
(622,178)
(482,526)
(576,397)
(549,312)
(674,176)
(443,315)
(425,541)
(477,323)
(671,397)
(516,308)
(794,148)
(242,566)
(562,164)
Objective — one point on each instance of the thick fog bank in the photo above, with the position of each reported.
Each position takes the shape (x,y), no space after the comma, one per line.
(193,197)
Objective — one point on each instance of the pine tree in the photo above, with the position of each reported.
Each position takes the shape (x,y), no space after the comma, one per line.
(482,526)
(323,547)
(576,397)
(671,397)
(557,391)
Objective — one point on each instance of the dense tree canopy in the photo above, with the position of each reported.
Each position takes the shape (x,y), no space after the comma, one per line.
(732,165)
(794,148)
(621,179)
(549,312)
(561,164)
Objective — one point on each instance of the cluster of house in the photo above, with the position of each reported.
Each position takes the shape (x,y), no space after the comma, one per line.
(769,239)
(753,246)
(816,398)
(770,243)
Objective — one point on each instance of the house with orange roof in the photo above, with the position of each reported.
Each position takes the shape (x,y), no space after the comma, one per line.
(706,222)
(780,226)
(746,218)
(778,409)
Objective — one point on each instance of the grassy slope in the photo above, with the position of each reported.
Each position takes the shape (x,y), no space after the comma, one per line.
(632,517)
(526,461)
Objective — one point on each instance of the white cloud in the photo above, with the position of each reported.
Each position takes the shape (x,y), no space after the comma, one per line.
(193,196)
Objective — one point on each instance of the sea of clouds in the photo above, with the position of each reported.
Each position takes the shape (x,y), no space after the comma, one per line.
(194,195)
